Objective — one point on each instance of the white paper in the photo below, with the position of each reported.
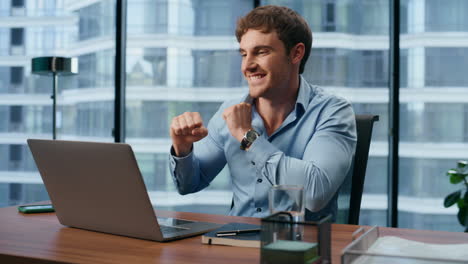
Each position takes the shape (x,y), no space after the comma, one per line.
(396,246)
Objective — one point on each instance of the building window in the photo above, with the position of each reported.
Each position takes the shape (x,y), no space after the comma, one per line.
(16,193)
(329,23)
(374,68)
(16,156)
(17,36)
(16,75)
(443,67)
(213,17)
(328,67)
(17,3)
(15,152)
(217,68)
(16,114)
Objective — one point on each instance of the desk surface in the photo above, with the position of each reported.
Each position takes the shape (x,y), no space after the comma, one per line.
(40,238)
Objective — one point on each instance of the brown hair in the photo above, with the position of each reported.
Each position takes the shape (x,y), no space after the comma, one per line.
(289,25)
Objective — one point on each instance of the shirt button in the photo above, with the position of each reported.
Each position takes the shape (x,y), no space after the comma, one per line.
(259,180)
(259,209)
(253,162)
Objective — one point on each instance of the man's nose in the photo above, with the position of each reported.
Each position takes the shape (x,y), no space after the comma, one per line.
(249,64)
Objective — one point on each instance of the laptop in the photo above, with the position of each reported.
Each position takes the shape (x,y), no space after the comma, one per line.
(98,186)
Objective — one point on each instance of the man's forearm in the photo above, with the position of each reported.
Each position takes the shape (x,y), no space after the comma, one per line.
(182,150)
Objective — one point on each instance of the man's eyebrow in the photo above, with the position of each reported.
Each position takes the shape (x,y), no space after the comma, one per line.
(258,48)
(263,47)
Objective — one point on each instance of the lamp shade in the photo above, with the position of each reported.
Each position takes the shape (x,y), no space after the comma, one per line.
(57,65)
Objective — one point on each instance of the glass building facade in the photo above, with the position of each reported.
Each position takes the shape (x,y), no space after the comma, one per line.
(182,56)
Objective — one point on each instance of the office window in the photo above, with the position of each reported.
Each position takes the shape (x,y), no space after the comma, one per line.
(443,66)
(155,171)
(96,20)
(369,69)
(147,17)
(165,80)
(146,67)
(217,68)
(374,69)
(344,67)
(96,69)
(430,221)
(372,17)
(218,18)
(380,129)
(348,68)
(428,177)
(48,28)
(446,16)
(445,122)
(88,120)
(431,131)
(147,119)
(328,67)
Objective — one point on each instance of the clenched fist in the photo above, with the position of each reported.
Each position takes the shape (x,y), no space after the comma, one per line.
(238,119)
(186,129)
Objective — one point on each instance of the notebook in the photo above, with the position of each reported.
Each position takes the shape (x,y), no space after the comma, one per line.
(99,187)
(251,239)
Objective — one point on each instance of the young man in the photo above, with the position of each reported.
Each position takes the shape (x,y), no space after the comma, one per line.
(284,131)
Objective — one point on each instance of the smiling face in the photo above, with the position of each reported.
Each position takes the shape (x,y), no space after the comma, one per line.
(266,66)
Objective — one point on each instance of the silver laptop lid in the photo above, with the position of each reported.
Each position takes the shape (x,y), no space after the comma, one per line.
(96,186)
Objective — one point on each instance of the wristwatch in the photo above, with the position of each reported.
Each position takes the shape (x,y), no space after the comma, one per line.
(249,137)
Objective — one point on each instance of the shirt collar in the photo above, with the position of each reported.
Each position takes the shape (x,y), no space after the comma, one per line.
(303,96)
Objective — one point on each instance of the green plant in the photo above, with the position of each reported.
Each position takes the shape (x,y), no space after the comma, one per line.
(460,197)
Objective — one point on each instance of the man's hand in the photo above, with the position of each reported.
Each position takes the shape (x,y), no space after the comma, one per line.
(186,129)
(238,119)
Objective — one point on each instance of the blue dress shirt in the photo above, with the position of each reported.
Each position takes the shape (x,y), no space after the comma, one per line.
(313,148)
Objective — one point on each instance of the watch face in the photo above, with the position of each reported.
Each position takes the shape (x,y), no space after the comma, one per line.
(251,135)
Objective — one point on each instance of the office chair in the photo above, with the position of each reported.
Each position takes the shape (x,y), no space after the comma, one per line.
(350,193)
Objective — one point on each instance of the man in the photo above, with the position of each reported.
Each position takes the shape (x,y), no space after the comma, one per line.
(284,131)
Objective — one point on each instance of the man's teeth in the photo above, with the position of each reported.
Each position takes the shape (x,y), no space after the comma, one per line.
(256,77)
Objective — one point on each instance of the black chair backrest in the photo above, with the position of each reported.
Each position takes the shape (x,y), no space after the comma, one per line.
(352,188)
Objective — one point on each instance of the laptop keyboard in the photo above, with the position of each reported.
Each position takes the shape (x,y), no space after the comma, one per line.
(171,229)
(173,221)
(172,226)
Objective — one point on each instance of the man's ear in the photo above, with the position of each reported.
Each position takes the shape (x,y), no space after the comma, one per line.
(297,53)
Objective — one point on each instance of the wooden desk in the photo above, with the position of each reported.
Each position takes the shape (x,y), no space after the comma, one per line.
(40,238)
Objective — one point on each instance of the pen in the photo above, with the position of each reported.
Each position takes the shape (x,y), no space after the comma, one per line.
(236,232)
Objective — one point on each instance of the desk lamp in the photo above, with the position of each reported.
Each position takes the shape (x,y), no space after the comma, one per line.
(54,66)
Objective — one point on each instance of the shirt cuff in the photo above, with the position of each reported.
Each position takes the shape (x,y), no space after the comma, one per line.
(260,151)
(179,162)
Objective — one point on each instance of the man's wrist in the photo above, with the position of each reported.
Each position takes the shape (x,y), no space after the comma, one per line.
(182,151)
(249,137)
(240,135)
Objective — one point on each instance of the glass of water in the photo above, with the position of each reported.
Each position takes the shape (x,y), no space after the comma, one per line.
(287,198)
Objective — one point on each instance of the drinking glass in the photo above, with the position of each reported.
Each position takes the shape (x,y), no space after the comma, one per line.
(287,198)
